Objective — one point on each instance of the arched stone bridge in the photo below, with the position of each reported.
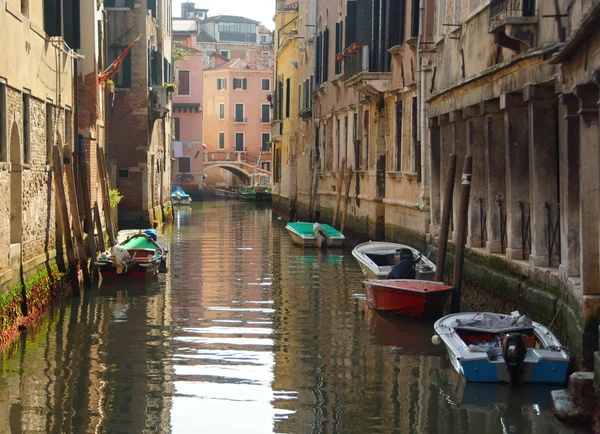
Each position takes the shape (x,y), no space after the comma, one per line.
(238,163)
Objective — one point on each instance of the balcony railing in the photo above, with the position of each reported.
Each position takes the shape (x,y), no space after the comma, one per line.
(356,62)
(500,9)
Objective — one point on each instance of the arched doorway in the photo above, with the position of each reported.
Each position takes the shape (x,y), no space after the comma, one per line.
(16,186)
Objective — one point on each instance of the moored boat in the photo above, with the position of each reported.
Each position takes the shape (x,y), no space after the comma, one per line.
(137,257)
(259,188)
(378,258)
(308,234)
(497,348)
(415,298)
(227,193)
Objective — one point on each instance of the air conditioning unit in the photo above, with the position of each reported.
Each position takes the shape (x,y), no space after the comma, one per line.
(159,99)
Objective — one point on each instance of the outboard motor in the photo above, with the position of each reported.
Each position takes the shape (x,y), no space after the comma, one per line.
(321,235)
(405,268)
(514,349)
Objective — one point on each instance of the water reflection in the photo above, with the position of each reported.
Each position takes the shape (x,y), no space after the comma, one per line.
(245,333)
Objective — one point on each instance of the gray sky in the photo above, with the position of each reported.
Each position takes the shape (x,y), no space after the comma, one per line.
(259,10)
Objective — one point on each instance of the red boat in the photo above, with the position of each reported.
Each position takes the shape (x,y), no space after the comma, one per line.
(416,298)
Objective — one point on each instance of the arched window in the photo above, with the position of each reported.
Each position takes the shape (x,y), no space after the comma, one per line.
(123,77)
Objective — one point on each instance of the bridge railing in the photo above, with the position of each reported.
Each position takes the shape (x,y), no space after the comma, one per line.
(234,157)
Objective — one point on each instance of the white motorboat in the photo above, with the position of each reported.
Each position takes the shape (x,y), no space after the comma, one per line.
(377,258)
(497,348)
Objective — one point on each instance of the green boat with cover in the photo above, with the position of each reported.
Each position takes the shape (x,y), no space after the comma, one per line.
(308,234)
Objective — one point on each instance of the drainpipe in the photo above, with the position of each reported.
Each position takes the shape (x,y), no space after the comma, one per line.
(422,112)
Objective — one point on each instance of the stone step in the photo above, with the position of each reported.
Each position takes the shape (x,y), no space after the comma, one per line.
(576,404)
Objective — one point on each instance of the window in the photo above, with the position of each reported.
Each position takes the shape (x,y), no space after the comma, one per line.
(266,84)
(3,129)
(183,88)
(123,173)
(265,117)
(176,122)
(26,129)
(25,8)
(416,157)
(239,113)
(365,162)
(398,9)
(239,142)
(239,83)
(221,140)
(287,97)
(221,83)
(49,132)
(224,53)
(266,165)
(184,164)
(221,111)
(441,19)
(263,39)
(339,45)
(414,19)
(69,128)
(337,141)
(152,7)
(123,77)
(265,142)
(265,54)
(398,143)
(118,4)
(346,137)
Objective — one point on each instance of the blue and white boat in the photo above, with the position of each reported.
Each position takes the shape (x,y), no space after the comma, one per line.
(496,348)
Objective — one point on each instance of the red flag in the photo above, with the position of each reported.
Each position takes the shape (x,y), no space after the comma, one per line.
(112,70)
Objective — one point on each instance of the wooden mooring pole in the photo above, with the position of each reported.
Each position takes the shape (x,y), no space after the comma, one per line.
(98,223)
(445,223)
(102,174)
(77,232)
(461,233)
(89,216)
(346,200)
(339,187)
(61,198)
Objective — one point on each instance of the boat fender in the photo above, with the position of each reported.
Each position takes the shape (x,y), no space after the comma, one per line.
(436,340)
(514,349)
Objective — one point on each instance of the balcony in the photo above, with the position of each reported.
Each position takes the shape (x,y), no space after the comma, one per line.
(514,23)
(359,73)
(160,99)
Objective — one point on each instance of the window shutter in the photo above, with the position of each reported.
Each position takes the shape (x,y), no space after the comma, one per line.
(350,23)
(414,29)
(244,83)
(318,59)
(338,40)
(326,55)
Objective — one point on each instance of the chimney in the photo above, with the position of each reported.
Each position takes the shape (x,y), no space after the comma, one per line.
(251,55)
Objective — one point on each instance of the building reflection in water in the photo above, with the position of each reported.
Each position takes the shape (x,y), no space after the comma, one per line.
(245,333)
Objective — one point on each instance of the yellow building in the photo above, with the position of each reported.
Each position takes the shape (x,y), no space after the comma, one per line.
(36,113)
(285,103)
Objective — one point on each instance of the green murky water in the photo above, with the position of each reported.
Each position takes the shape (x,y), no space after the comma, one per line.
(246,333)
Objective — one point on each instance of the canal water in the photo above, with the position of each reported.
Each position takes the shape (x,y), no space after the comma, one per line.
(245,333)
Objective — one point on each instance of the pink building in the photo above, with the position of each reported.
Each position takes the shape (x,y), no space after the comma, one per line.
(237,114)
(235,47)
(188,166)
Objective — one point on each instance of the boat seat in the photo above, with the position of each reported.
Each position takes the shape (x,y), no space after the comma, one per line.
(141,253)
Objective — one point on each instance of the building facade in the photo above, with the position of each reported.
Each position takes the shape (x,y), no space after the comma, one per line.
(211,42)
(188,152)
(358,97)
(139,138)
(393,88)
(237,117)
(36,112)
